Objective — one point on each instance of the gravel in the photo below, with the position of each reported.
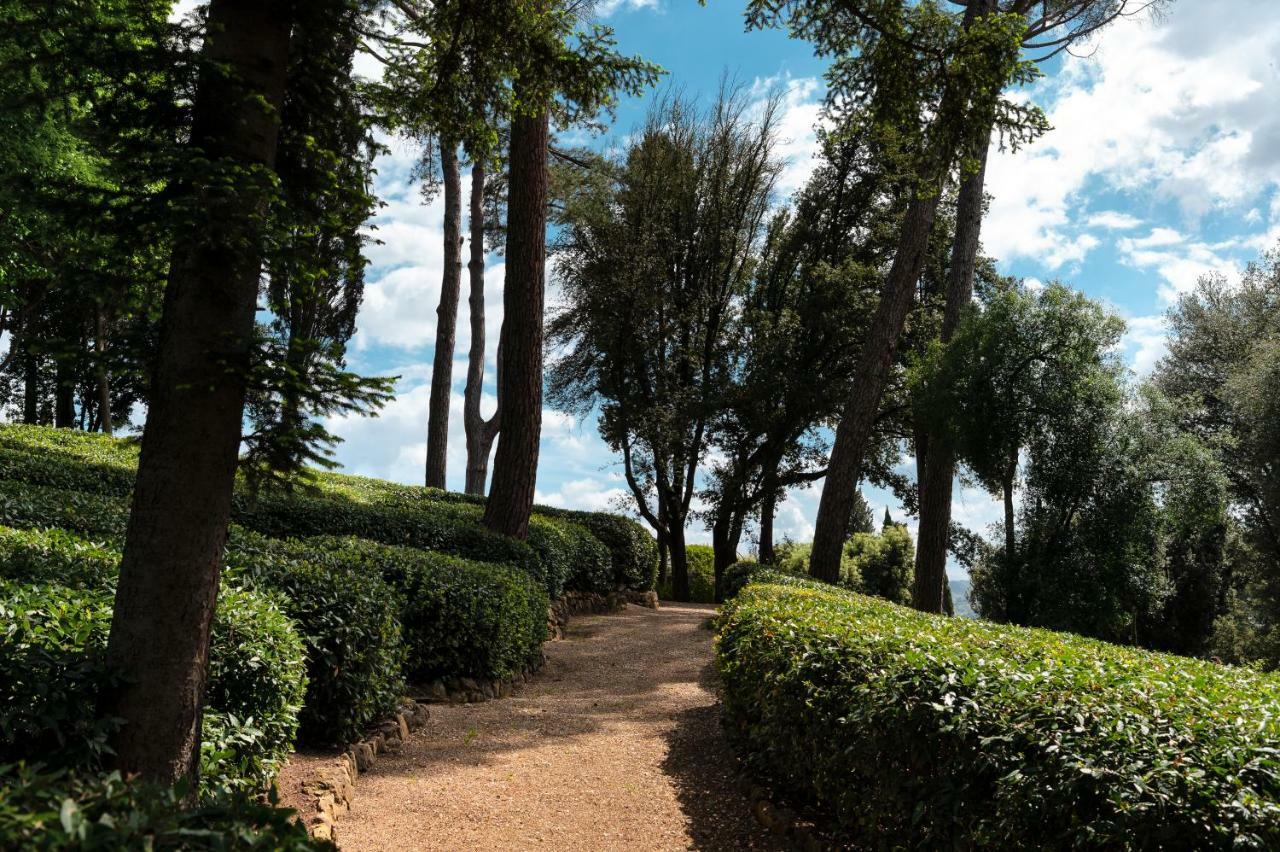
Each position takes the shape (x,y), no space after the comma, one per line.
(616,744)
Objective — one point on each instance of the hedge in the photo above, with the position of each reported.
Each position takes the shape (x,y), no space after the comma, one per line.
(99,471)
(460,618)
(52,671)
(348,620)
(929,732)
(44,811)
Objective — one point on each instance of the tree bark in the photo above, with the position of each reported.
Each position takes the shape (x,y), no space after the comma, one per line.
(64,396)
(446,320)
(679,563)
(1009,531)
(880,346)
(30,388)
(768,509)
(937,476)
(874,363)
(103,376)
(168,581)
(480,432)
(515,464)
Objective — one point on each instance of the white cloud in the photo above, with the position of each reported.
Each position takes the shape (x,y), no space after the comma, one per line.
(798,118)
(606,8)
(1178,111)
(1113,220)
(1145,342)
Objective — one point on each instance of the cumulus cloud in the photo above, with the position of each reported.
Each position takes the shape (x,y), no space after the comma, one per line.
(1177,111)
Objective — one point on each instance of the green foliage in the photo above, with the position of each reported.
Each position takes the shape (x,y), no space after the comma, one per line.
(885,563)
(926,731)
(52,658)
(417,522)
(61,810)
(702,579)
(591,564)
(348,620)
(459,618)
(632,550)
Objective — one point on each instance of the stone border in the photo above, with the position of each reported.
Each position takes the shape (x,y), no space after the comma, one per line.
(331,791)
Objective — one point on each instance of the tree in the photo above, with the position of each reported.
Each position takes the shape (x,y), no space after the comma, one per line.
(1220,376)
(168,580)
(1123,534)
(1031,366)
(316,266)
(446,318)
(480,431)
(653,263)
(884,561)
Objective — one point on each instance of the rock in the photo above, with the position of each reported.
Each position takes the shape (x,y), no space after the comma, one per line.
(325,803)
(469,684)
(391,745)
(438,691)
(763,812)
(364,756)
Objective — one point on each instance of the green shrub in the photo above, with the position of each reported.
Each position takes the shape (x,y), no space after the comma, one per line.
(460,618)
(442,527)
(348,620)
(591,564)
(67,458)
(632,550)
(28,506)
(702,575)
(933,732)
(56,556)
(793,558)
(47,811)
(53,669)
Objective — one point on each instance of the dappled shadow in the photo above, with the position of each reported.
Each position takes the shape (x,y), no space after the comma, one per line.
(600,751)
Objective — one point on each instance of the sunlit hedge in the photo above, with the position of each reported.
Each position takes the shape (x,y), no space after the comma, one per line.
(460,618)
(930,732)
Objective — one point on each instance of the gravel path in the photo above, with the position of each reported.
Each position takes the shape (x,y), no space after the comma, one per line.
(615,745)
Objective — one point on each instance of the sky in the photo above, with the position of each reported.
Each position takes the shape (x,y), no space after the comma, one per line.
(1163,165)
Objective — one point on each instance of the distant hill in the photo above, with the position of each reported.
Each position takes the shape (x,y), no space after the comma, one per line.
(960,597)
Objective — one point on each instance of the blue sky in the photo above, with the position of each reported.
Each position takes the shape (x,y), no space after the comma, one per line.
(1163,165)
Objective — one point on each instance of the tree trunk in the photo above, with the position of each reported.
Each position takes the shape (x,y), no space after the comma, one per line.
(30,388)
(874,363)
(939,473)
(515,464)
(768,509)
(679,562)
(1009,531)
(726,533)
(480,432)
(168,580)
(64,396)
(103,377)
(446,320)
(881,344)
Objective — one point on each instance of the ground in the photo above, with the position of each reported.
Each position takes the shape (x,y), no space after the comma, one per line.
(616,744)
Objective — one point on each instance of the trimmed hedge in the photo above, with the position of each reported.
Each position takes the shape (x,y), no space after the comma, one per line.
(460,618)
(29,506)
(932,732)
(348,620)
(46,811)
(52,670)
(633,551)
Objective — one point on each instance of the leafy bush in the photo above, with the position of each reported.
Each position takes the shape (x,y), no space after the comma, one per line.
(793,558)
(936,732)
(34,506)
(702,575)
(459,618)
(633,551)
(355,653)
(60,810)
(67,458)
(591,564)
(442,527)
(53,669)
(885,563)
(56,556)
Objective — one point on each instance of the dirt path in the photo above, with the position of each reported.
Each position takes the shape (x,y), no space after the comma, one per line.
(615,745)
